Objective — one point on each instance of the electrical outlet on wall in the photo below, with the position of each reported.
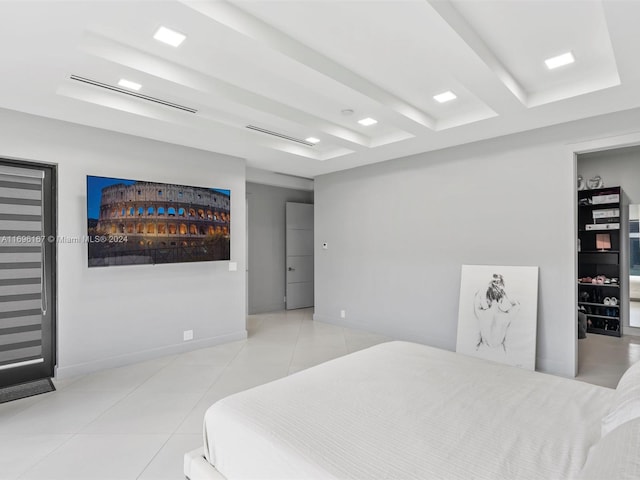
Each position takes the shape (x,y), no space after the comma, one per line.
(343,314)
(187,335)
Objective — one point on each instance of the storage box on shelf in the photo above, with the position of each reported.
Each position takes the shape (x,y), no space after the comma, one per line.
(599,259)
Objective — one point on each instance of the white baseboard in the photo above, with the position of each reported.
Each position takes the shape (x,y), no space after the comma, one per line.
(542,364)
(274,307)
(628,330)
(416,337)
(130,358)
(553,367)
(341,322)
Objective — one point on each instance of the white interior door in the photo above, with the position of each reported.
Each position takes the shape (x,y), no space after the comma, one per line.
(299,249)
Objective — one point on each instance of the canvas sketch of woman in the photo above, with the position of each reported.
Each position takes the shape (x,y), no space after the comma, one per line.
(495,311)
(497,314)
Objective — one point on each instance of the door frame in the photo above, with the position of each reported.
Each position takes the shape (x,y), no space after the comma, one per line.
(572,151)
(50,223)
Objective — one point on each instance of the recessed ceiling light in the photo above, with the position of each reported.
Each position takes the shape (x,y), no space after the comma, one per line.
(312,140)
(367,121)
(168,36)
(445,96)
(129,84)
(560,60)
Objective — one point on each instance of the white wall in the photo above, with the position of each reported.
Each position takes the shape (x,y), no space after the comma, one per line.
(116,315)
(617,167)
(281,180)
(398,233)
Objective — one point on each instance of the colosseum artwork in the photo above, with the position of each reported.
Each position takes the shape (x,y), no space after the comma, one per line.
(136,222)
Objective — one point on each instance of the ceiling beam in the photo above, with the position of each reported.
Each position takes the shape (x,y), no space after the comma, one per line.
(477,44)
(114,51)
(404,115)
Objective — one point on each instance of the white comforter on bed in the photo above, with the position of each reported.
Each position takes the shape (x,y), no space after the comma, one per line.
(406,411)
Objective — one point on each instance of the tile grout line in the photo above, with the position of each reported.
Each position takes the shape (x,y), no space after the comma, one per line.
(224,369)
(295,346)
(38,462)
(127,395)
(154,456)
(78,431)
(172,434)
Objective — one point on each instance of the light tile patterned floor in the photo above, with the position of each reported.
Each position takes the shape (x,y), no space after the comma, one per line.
(136,422)
(602,359)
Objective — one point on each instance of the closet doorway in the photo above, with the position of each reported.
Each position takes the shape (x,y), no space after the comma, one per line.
(634,265)
(621,167)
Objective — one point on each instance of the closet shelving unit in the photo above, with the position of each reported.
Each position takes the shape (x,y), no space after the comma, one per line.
(599,259)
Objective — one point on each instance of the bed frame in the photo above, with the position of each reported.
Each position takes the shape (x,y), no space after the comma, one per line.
(196,466)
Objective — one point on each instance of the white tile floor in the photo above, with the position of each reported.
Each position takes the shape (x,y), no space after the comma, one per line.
(136,422)
(602,359)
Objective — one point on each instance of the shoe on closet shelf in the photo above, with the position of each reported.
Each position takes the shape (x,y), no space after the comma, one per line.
(607,301)
(614,301)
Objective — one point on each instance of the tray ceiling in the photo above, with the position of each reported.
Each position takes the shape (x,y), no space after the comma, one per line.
(310,69)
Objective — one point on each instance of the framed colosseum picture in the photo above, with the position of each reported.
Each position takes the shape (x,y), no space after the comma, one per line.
(132,222)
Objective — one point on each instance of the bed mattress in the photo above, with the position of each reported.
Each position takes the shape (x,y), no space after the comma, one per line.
(409,411)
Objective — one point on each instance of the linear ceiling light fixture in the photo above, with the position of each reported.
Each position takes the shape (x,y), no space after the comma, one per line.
(306,142)
(114,88)
(445,97)
(560,60)
(313,140)
(168,36)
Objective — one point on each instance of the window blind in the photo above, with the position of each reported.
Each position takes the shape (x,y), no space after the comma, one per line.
(21,267)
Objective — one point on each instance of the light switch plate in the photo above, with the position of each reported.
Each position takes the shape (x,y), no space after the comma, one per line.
(233,266)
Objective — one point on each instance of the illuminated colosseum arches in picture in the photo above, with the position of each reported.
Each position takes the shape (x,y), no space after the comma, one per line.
(138,222)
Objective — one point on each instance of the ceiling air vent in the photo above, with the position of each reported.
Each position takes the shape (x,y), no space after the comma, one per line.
(132,94)
(280,135)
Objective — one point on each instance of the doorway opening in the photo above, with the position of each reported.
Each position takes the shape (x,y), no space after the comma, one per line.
(27,271)
(268,274)
(617,162)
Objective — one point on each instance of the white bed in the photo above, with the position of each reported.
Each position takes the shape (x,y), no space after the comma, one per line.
(406,411)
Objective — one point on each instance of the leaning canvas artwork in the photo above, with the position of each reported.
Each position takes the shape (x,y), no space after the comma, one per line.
(497,316)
